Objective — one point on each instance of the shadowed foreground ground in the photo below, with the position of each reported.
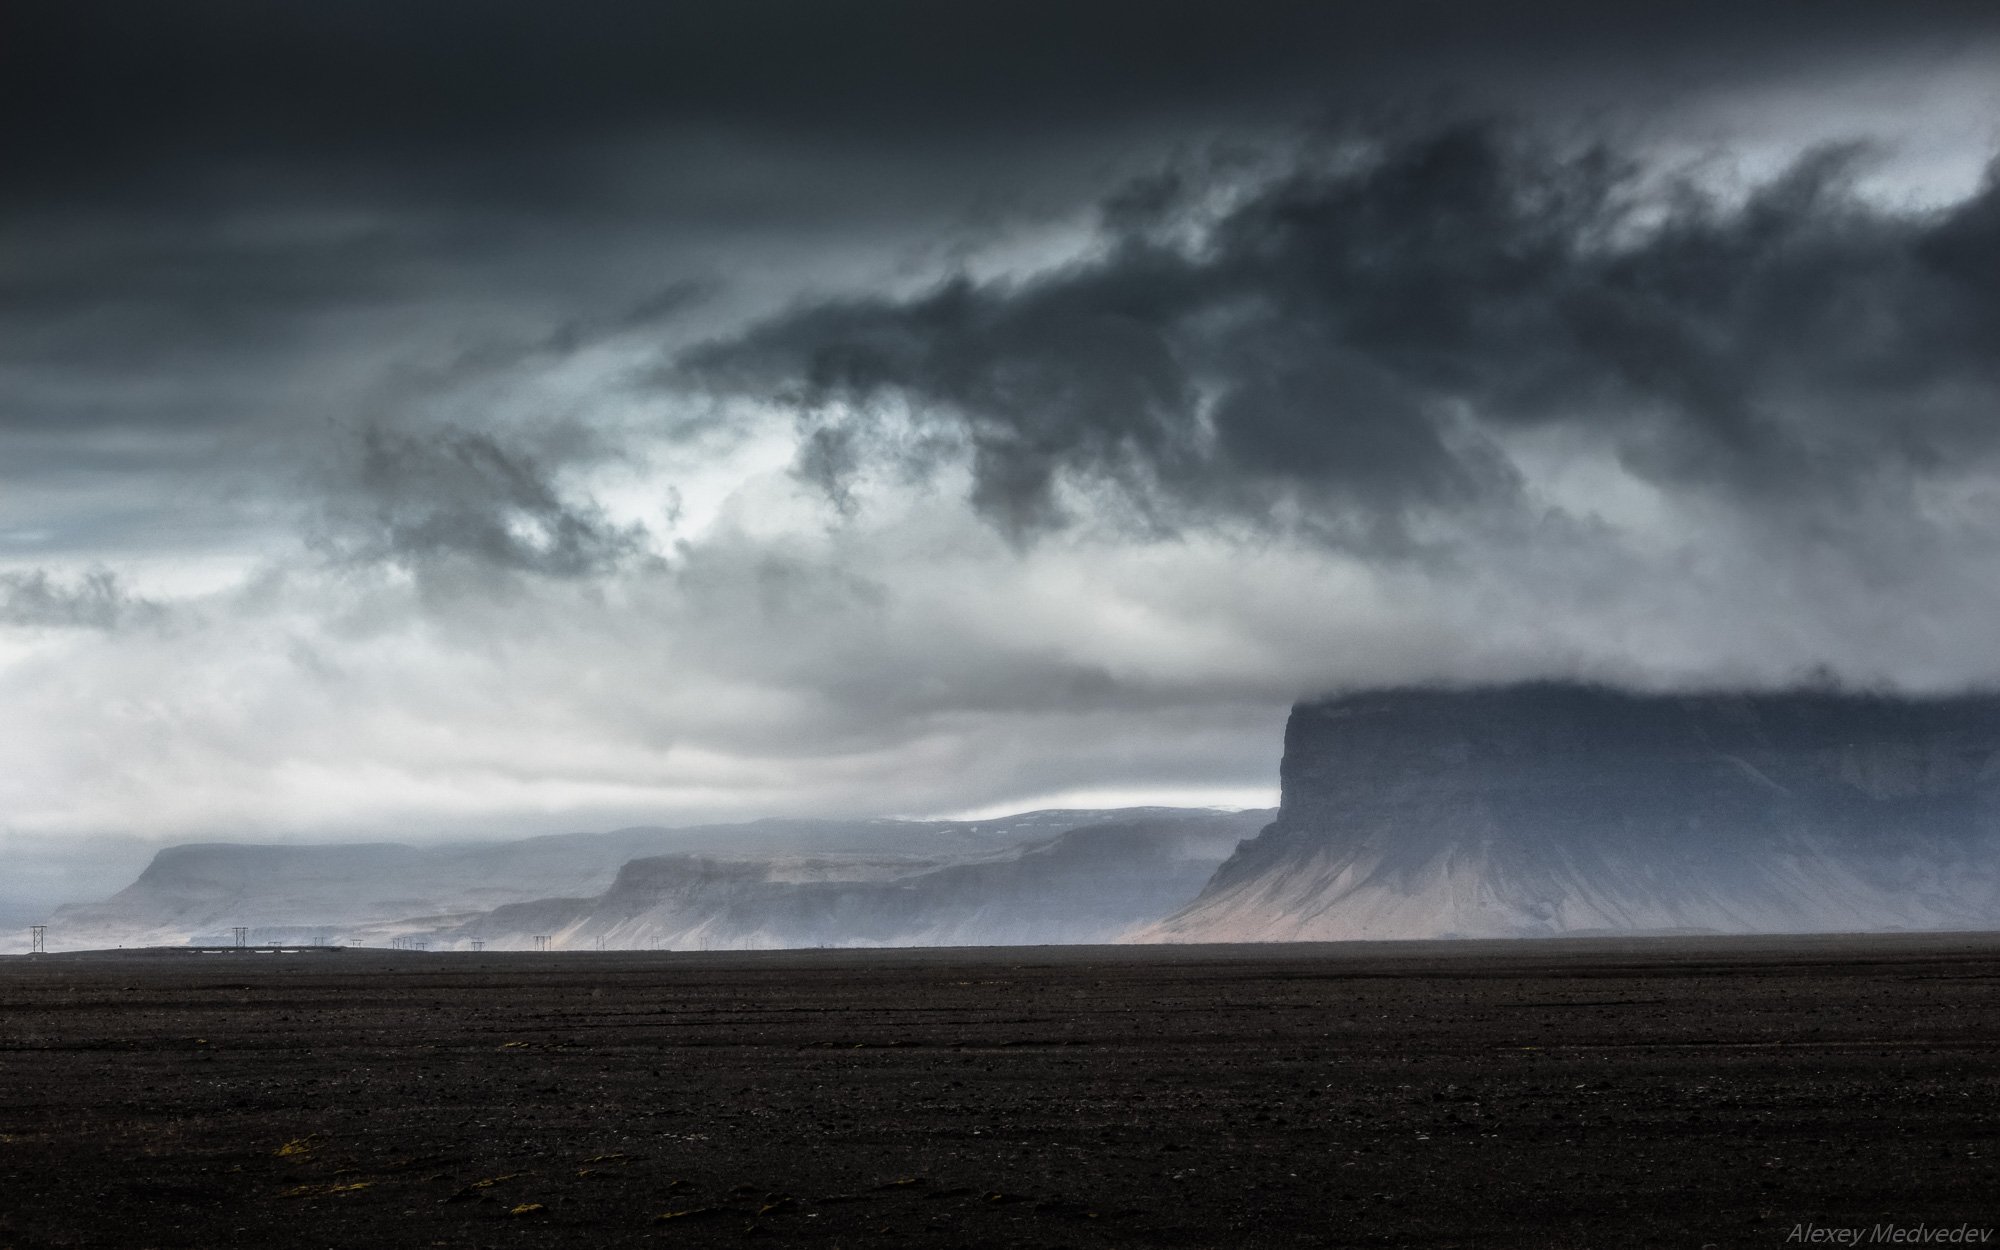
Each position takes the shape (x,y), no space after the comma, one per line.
(1657,1092)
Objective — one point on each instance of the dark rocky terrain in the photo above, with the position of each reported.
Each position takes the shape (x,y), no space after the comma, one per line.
(1548,808)
(1654,1092)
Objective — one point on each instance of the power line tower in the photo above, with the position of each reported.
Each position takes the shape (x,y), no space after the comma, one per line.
(478,944)
(38,939)
(242,933)
(541,941)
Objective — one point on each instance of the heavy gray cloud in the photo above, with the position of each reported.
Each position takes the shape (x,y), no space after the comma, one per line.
(460,494)
(1350,341)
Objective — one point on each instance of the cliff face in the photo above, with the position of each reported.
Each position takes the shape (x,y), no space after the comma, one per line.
(1544,809)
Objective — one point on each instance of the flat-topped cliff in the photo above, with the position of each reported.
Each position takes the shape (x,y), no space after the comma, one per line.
(1555,808)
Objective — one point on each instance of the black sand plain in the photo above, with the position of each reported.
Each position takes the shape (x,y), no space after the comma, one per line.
(1642,1092)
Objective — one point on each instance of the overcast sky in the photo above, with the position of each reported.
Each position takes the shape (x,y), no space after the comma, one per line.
(440,419)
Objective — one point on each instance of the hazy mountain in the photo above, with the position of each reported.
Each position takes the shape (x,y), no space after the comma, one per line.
(1548,808)
(1089,884)
(39,872)
(371,892)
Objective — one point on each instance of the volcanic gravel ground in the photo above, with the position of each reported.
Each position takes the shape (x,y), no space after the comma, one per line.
(1566,1093)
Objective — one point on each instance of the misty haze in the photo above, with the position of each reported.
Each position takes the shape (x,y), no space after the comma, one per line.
(999,623)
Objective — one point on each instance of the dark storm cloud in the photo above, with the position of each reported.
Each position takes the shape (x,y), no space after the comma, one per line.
(215,204)
(463,496)
(99,91)
(1353,335)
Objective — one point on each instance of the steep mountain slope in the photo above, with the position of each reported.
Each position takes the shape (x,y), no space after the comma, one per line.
(1091,884)
(371,892)
(1547,808)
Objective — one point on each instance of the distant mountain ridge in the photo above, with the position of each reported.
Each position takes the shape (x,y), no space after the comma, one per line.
(1504,811)
(375,892)
(1090,884)
(1553,808)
